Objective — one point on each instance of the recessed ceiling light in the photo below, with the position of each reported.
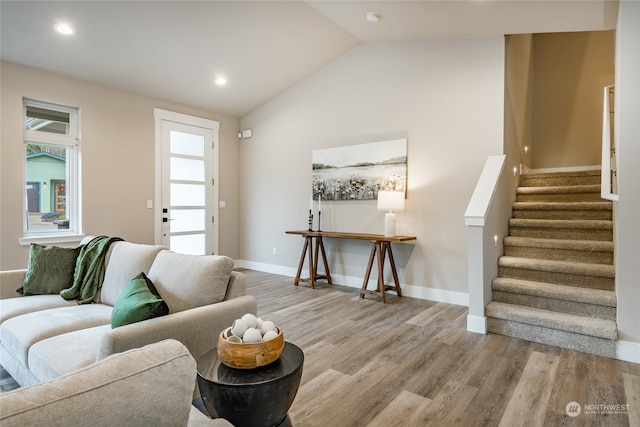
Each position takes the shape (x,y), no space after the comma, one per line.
(64,29)
(373,16)
(221,81)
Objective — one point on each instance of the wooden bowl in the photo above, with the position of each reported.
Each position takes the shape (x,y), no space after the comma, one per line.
(250,355)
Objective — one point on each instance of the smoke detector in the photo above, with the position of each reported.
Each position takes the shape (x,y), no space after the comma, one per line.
(373,16)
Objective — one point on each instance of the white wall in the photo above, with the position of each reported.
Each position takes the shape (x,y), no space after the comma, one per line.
(445,97)
(627,128)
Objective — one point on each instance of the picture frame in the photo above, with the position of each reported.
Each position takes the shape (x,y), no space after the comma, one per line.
(358,172)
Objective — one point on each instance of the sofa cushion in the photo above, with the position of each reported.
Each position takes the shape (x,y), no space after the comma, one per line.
(124,261)
(50,269)
(16,369)
(13,307)
(148,386)
(19,333)
(139,301)
(65,353)
(188,281)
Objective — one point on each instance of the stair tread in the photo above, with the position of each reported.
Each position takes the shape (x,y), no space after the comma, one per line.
(559,189)
(567,267)
(591,224)
(563,205)
(550,290)
(582,245)
(553,320)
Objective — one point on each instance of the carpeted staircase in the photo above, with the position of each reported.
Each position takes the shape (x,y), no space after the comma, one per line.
(555,282)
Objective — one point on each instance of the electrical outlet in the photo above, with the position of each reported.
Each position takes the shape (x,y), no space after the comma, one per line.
(149,204)
(275,251)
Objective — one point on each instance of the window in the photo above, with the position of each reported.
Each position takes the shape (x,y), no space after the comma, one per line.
(51,147)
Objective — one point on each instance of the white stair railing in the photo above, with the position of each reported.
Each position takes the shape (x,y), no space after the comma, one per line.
(486,219)
(609,177)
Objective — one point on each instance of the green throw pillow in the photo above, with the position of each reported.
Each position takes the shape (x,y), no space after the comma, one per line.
(50,269)
(139,301)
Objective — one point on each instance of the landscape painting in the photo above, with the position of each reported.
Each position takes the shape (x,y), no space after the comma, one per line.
(357,172)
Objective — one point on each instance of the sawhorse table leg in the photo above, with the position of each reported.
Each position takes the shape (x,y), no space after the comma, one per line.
(380,249)
(313,262)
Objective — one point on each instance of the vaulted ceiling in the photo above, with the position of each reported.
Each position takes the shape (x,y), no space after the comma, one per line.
(175,50)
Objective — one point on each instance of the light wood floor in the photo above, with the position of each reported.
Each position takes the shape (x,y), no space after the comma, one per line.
(411,362)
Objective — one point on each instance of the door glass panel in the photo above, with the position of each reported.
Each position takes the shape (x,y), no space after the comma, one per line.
(187,220)
(189,244)
(187,194)
(186,143)
(187,169)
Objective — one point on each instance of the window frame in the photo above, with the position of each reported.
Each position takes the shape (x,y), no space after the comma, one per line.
(71,142)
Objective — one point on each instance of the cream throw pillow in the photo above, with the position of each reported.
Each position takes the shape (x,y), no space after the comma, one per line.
(189,281)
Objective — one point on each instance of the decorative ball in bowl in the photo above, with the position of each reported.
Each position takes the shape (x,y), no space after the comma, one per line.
(249,355)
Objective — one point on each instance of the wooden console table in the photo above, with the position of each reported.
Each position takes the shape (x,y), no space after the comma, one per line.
(381,247)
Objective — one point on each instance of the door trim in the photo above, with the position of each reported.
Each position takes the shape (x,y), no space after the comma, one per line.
(159,116)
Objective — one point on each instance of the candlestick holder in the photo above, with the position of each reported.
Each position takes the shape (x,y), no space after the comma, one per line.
(310,221)
(319,220)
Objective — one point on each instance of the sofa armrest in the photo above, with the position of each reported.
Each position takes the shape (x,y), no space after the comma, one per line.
(10,280)
(197,328)
(149,386)
(237,285)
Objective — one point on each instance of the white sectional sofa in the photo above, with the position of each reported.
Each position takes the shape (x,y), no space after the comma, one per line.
(45,336)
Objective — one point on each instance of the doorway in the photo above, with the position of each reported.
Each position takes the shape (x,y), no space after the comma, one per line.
(33,197)
(186,183)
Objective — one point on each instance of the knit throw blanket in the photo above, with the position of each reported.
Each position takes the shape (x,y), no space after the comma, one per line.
(89,272)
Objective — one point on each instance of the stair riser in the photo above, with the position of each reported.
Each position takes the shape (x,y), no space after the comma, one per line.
(526,181)
(560,306)
(562,339)
(562,233)
(559,197)
(559,254)
(592,282)
(594,214)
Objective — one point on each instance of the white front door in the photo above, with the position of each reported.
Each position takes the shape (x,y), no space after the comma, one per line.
(186,183)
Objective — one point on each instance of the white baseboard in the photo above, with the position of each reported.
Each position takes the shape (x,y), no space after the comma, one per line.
(439,295)
(477,324)
(419,292)
(269,268)
(628,351)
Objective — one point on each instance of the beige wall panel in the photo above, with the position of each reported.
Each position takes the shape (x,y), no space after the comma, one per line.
(445,97)
(117,159)
(570,72)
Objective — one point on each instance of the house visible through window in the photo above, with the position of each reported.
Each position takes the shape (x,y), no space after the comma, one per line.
(51,143)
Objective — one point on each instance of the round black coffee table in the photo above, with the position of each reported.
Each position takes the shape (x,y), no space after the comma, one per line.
(251,397)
